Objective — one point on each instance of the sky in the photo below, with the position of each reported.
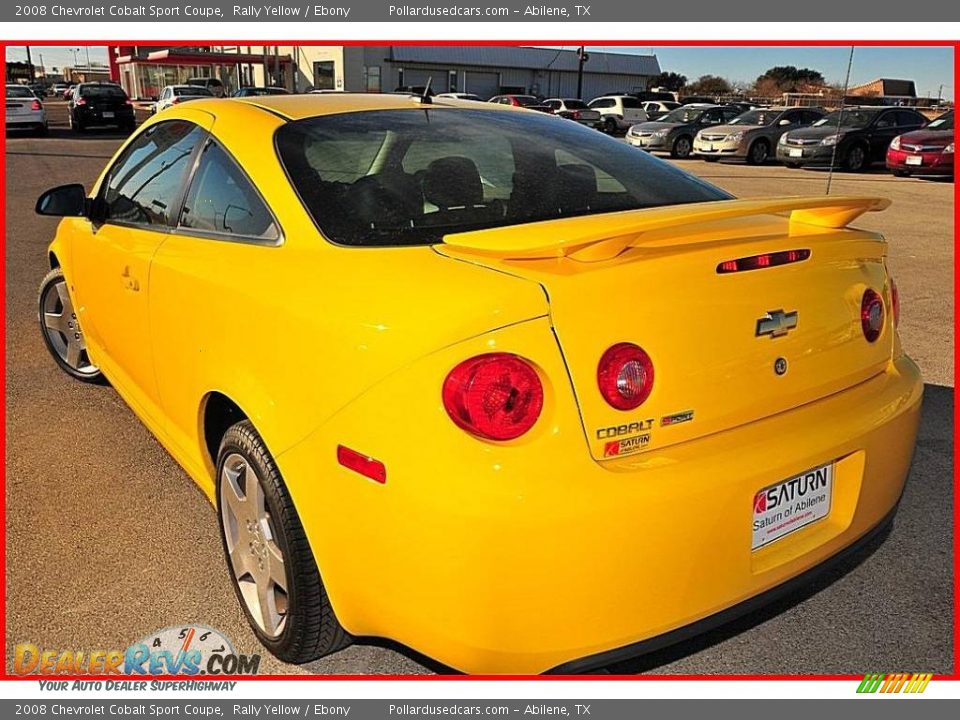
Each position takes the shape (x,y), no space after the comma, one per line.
(928,66)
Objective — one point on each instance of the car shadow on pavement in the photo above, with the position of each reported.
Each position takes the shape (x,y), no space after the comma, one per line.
(937,418)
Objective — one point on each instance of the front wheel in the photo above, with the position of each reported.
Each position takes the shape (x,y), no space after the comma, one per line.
(271,564)
(681,148)
(758,153)
(61,331)
(855,159)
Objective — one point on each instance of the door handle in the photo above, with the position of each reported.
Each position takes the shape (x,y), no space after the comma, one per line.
(129,281)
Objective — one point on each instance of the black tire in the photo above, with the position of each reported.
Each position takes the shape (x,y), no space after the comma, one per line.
(901,173)
(48,284)
(41,130)
(758,153)
(682,147)
(76,124)
(792,166)
(855,158)
(709,159)
(311,628)
(610,126)
(128,127)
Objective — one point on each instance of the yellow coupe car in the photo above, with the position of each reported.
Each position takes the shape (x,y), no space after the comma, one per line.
(493,385)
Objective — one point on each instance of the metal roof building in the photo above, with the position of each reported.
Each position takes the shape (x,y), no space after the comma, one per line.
(485,70)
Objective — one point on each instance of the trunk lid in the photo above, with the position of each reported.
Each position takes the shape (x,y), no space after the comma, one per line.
(650,277)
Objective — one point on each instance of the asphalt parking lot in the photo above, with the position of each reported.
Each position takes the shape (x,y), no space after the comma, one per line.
(108,539)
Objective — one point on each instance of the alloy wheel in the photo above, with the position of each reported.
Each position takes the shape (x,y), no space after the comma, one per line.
(256,560)
(62,329)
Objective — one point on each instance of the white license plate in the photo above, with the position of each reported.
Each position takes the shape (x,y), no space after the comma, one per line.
(108,113)
(796,152)
(707,147)
(792,504)
(913,160)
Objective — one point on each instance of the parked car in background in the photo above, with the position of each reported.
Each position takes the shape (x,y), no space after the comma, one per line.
(57,89)
(618,112)
(698,100)
(176,94)
(928,151)
(214,85)
(572,109)
(674,132)
(38,89)
(68,91)
(856,136)
(525,101)
(100,104)
(656,109)
(415,90)
(24,110)
(460,96)
(259,91)
(753,135)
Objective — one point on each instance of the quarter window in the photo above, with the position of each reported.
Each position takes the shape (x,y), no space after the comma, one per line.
(221,200)
(144,186)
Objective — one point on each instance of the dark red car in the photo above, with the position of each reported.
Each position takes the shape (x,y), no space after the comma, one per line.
(525,101)
(928,151)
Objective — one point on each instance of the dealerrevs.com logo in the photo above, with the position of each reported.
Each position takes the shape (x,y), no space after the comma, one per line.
(891,683)
(191,650)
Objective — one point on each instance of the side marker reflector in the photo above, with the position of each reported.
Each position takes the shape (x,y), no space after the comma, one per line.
(363,464)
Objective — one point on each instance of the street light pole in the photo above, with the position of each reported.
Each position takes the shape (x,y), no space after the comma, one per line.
(582,57)
(30,64)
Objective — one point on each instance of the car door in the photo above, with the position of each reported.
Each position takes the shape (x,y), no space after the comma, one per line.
(135,206)
(212,266)
(883,130)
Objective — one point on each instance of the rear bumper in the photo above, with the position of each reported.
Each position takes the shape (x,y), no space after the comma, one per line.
(563,563)
(34,120)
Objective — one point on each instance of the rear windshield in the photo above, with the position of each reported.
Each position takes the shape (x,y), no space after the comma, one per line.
(110,91)
(526,100)
(410,177)
(19,92)
(575,104)
(192,91)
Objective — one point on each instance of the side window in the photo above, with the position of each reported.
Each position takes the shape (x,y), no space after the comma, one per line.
(222,200)
(728,114)
(144,186)
(603,103)
(710,117)
(811,117)
(886,120)
(631,102)
(908,119)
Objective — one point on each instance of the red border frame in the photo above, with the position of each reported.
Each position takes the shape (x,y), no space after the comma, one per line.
(4,676)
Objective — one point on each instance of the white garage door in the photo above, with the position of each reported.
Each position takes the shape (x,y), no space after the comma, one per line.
(484,84)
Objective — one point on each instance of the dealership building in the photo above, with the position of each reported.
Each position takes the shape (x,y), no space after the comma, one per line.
(483,70)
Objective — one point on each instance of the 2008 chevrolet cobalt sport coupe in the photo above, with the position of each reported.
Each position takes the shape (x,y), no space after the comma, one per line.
(498,387)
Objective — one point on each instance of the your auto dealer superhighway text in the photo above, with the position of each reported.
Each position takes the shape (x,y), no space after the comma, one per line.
(155,11)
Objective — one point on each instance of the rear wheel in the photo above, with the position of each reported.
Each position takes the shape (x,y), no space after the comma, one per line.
(41,130)
(758,153)
(901,173)
(271,564)
(610,126)
(682,147)
(61,331)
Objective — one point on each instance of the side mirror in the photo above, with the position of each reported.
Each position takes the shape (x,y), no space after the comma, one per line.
(783,122)
(63,201)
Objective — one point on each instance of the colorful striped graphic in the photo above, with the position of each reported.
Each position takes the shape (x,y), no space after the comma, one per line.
(894,683)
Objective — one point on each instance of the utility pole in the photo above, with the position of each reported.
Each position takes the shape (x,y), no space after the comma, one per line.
(940,95)
(30,64)
(582,57)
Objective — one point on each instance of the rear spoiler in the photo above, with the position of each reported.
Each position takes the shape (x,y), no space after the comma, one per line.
(591,238)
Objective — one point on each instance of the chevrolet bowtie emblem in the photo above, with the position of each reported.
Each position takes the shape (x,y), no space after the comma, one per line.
(776,323)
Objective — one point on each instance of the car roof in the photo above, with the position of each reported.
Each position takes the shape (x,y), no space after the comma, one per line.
(299,107)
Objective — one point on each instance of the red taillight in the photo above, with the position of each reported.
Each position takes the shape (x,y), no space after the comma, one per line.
(871,315)
(35,105)
(576,114)
(80,101)
(363,464)
(496,396)
(895,302)
(625,376)
(174,101)
(128,102)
